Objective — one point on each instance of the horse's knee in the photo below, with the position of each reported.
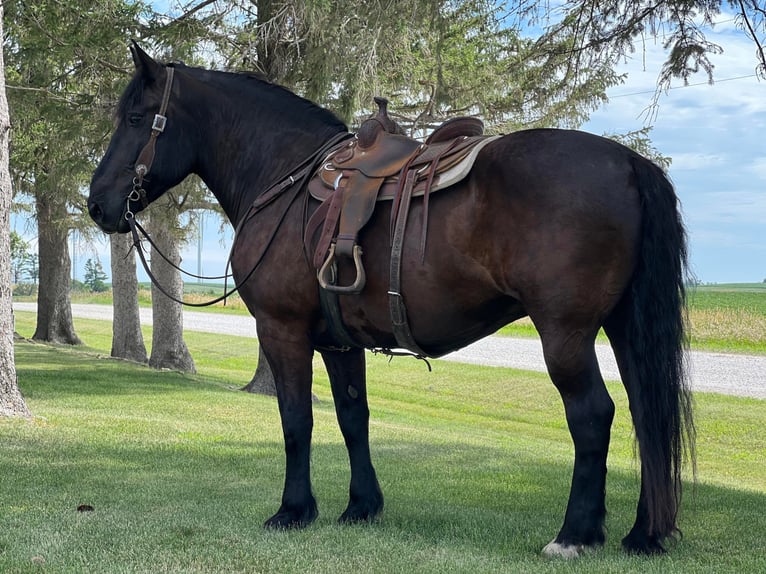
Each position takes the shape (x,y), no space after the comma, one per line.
(574,370)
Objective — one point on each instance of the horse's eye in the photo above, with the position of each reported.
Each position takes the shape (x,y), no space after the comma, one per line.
(135,119)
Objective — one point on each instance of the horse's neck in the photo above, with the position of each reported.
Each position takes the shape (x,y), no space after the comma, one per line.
(242,155)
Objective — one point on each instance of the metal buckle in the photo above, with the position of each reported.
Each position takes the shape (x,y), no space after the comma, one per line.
(159,123)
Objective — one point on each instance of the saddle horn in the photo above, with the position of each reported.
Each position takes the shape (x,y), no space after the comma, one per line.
(379,123)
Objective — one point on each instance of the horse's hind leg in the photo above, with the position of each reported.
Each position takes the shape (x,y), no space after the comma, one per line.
(571,359)
(349,388)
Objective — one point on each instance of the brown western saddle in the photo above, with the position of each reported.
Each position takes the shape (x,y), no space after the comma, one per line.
(383,164)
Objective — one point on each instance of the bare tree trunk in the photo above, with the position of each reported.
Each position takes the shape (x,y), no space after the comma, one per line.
(54,305)
(263,382)
(263,379)
(11,401)
(169,350)
(127,339)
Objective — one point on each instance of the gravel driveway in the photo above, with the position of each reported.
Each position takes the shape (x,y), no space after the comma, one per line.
(741,375)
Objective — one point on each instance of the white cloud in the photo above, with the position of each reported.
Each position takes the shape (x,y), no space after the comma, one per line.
(737,207)
(695,161)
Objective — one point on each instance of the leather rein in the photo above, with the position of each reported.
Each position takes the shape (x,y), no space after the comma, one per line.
(300,176)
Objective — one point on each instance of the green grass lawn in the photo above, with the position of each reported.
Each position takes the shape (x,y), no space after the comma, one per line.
(474,462)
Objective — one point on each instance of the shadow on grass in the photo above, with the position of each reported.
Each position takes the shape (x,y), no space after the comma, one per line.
(51,373)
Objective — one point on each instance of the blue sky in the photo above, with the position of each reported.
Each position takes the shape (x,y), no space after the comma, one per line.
(715,136)
(713,133)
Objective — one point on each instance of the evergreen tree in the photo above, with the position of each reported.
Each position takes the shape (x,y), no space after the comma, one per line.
(30,268)
(19,251)
(95,278)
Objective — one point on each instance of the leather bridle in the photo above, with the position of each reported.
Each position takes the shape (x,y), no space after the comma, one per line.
(146,156)
(297,180)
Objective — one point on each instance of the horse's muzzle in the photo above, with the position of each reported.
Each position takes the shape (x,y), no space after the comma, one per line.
(106,224)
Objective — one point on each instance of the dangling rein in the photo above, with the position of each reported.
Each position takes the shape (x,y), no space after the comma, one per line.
(297,180)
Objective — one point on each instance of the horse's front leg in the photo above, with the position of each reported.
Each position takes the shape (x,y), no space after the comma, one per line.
(290,354)
(349,389)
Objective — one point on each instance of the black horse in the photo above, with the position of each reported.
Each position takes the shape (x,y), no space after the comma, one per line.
(573,230)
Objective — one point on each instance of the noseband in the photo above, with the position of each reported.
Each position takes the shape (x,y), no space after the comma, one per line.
(146,157)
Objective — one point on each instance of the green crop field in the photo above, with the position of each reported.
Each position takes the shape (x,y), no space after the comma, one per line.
(727,318)
(475,462)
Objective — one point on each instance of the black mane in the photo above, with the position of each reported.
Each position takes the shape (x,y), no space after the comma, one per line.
(134,93)
(248,87)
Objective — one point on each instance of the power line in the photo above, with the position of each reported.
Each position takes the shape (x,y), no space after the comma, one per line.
(684,86)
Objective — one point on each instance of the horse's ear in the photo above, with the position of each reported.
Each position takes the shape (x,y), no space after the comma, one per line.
(145,64)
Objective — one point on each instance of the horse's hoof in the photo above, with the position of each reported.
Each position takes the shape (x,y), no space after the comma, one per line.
(284,519)
(357,514)
(637,542)
(567,551)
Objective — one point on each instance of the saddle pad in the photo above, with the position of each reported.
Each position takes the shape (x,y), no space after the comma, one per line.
(319,190)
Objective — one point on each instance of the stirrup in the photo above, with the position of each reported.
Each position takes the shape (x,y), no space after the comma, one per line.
(326,275)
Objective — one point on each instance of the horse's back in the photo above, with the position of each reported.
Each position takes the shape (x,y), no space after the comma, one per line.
(549,162)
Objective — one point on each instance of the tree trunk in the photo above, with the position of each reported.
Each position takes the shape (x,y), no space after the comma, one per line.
(54,305)
(263,379)
(169,350)
(263,382)
(127,339)
(11,401)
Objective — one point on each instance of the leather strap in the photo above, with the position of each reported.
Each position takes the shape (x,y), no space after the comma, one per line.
(426,195)
(335,203)
(146,156)
(397,308)
(314,222)
(330,303)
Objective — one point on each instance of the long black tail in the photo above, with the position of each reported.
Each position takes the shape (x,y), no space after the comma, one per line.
(660,396)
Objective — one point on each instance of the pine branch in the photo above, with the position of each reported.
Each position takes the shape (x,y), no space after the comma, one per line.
(189,13)
(753,36)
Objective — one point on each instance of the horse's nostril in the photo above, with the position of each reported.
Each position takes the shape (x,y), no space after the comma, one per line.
(95,212)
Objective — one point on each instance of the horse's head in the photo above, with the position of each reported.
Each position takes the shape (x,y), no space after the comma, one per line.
(150,151)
